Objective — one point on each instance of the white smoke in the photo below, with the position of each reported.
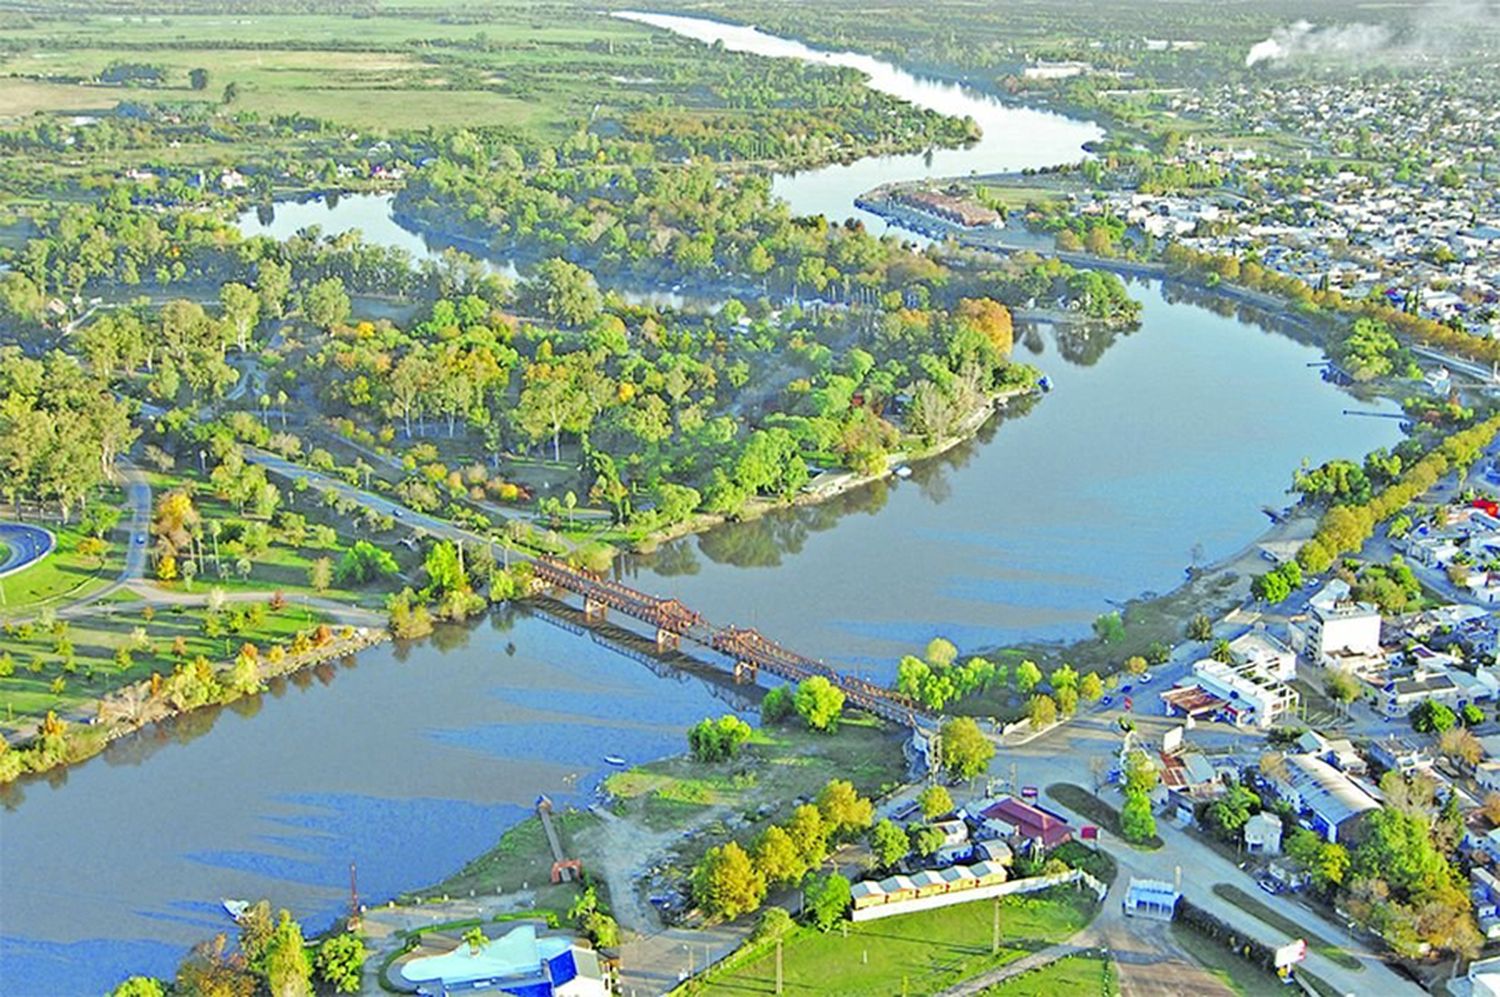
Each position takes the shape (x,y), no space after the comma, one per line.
(1303,40)
(1436,28)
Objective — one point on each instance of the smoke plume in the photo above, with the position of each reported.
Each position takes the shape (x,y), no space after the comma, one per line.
(1437,28)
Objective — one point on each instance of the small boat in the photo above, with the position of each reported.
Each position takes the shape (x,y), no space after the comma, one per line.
(615,760)
(236,908)
(1044,382)
(903,471)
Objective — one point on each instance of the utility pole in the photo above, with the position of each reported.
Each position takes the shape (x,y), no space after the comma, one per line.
(995,936)
(353,898)
(778,966)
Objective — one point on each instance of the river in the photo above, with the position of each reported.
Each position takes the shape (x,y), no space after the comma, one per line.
(414,760)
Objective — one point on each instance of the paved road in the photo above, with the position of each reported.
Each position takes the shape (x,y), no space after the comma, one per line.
(1062,755)
(24,545)
(138,497)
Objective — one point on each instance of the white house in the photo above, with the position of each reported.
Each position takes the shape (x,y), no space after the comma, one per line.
(1263,834)
(1273,658)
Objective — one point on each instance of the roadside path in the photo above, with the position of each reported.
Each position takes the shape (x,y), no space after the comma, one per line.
(1036,960)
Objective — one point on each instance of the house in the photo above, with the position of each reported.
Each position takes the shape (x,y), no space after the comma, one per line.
(1031,824)
(1263,834)
(1483,977)
(1336,622)
(995,851)
(955,844)
(1332,800)
(519,962)
(1403,754)
(1269,655)
(1399,697)
(1151,898)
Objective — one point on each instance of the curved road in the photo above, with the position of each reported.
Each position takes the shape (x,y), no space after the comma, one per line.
(24,545)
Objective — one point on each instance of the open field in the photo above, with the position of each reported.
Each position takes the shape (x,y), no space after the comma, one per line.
(912,953)
(1075,976)
(64,574)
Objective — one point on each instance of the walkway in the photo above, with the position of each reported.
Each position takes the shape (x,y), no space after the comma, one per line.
(1026,964)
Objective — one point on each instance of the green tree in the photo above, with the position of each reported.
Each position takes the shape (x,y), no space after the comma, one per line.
(320,574)
(926,840)
(1341,686)
(1432,717)
(287,969)
(565,292)
(1028,677)
(1041,710)
(718,740)
(777,857)
(1137,823)
(726,883)
(1090,688)
(810,832)
(935,801)
(340,961)
(827,898)
(140,986)
(1200,627)
(476,939)
(966,751)
(844,811)
(777,705)
(198,78)
(941,652)
(364,562)
(445,568)
(819,702)
(1064,677)
(1139,773)
(888,843)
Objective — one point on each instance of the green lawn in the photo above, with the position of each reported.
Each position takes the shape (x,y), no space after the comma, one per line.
(1078,799)
(1076,976)
(63,574)
(913,953)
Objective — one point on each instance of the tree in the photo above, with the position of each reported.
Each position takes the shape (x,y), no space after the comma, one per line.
(826,901)
(1135,665)
(926,840)
(1200,627)
(287,969)
(1137,823)
(326,304)
(1067,701)
(819,702)
(726,884)
(241,308)
(1064,677)
(810,832)
(941,652)
(1090,688)
(445,568)
(198,78)
(565,292)
(340,962)
(777,857)
(718,740)
(364,562)
(140,986)
(1432,717)
(889,844)
(1028,677)
(320,574)
(844,811)
(1341,686)
(209,972)
(935,801)
(966,751)
(476,939)
(1041,710)
(1139,773)
(777,705)
(1228,815)
(1460,744)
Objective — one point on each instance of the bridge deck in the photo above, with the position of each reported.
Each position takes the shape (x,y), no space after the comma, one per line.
(744,645)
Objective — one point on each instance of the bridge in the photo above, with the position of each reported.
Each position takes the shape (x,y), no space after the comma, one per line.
(751,652)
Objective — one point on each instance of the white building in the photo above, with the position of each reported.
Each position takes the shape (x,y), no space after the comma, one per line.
(1335,624)
(1329,797)
(1242,694)
(1270,655)
(1263,834)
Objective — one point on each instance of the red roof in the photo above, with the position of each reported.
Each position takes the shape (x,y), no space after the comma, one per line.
(1031,822)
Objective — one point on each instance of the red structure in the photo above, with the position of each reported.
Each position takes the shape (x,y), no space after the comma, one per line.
(1032,823)
(752,653)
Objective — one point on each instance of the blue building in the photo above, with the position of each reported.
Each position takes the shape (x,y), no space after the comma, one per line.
(520,962)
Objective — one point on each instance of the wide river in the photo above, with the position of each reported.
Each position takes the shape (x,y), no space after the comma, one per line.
(1161,447)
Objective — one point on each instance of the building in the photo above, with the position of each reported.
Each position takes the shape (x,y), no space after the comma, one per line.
(1242,694)
(1269,655)
(1332,800)
(1151,898)
(1399,697)
(1263,834)
(956,845)
(1039,828)
(520,962)
(1336,623)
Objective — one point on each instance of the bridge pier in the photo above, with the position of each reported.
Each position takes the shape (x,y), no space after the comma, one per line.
(745,672)
(668,639)
(594,610)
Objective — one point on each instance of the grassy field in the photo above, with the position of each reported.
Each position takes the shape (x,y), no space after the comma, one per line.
(912,953)
(778,765)
(520,860)
(1075,976)
(378,73)
(64,574)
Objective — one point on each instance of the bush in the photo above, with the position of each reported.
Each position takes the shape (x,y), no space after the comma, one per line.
(777,705)
(717,740)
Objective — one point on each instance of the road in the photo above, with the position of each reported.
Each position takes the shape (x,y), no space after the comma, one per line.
(1062,754)
(137,544)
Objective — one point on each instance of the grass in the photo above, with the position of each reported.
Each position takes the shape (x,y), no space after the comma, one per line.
(1240,975)
(913,953)
(521,859)
(1080,800)
(64,573)
(778,765)
(1250,905)
(1076,975)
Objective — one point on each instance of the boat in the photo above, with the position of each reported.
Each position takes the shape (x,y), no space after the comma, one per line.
(1044,382)
(236,908)
(615,760)
(903,471)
